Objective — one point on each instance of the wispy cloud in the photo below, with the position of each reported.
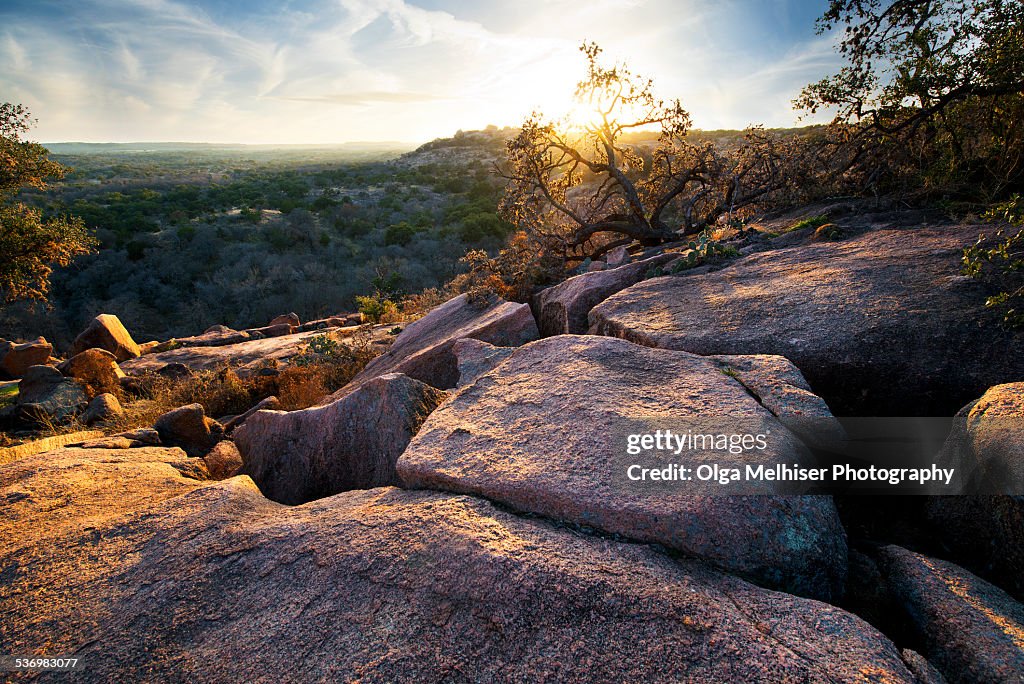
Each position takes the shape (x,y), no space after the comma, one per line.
(333,70)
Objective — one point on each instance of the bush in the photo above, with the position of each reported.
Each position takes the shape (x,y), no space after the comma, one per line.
(324,367)
(514,274)
(1002,263)
(377,308)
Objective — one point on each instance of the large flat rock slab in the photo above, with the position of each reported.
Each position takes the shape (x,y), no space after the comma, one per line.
(973,631)
(219,584)
(542,433)
(880,324)
(244,357)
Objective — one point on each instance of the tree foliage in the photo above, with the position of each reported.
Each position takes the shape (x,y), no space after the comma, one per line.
(30,246)
(931,96)
(581,187)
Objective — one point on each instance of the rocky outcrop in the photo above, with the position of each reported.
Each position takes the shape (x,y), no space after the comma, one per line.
(102,408)
(986,443)
(563,308)
(106,332)
(44,395)
(16,359)
(973,631)
(245,358)
(873,335)
(97,368)
(217,336)
(165,577)
(352,443)
(545,433)
(189,428)
(276,330)
(474,358)
(986,532)
(423,350)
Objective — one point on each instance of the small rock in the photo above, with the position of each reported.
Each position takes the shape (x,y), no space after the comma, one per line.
(275,330)
(223,461)
(617,257)
(596,266)
(476,358)
(106,332)
(102,408)
(175,371)
(148,347)
(218,336)
(291,319)
(189,428)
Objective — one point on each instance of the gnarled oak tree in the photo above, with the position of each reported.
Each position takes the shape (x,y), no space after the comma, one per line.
(584,187)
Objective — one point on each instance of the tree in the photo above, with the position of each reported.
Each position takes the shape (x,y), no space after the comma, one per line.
(30,246)
(584,187)
(932,86)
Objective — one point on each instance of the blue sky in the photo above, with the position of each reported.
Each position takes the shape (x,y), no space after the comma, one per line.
(326,71)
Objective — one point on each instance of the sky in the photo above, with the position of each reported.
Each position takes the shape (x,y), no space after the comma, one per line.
(333,71)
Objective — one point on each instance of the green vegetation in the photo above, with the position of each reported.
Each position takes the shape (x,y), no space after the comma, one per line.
(703,250)
(30,247)
(809,222)
(192,236)
(930,100)
(377,307)
(8,393)
(1001,261)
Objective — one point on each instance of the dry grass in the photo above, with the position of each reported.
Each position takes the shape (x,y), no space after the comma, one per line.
(323,367)
(311,376)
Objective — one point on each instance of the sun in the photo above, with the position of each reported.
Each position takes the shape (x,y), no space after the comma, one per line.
(583,117)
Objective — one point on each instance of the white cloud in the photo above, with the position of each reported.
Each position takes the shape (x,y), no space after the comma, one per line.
(370,69)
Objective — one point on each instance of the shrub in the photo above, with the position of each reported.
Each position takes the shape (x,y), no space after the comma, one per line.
(514,274)
(703,250)
(324,366)
(377,308)
(1001,262)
